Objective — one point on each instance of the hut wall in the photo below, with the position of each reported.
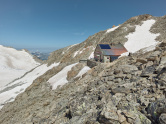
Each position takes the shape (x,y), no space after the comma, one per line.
(98,54)
(112,58)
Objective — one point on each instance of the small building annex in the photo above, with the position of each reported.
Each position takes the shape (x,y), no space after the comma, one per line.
(108,53)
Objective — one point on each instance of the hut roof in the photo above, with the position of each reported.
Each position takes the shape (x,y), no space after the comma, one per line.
(114,50)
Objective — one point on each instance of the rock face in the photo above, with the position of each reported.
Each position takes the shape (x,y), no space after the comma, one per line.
(131,90)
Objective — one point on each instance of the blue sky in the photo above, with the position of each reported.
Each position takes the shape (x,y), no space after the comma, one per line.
(59,23)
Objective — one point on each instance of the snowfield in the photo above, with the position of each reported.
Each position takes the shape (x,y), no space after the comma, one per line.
(60,78)
(141,38)
(14,64)
(10,91)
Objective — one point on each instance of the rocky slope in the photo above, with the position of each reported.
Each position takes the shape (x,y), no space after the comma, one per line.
(129,90)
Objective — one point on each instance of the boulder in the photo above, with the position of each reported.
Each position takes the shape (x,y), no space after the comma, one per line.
(152,58)
(148,71)
(121,117)
(143,61)
(156,53)
(163,60)
(155,109)
(162,44)
(132,115)
(111,78)
(128,68)
(109,114)
(149,63)
(162,118)
(121,90)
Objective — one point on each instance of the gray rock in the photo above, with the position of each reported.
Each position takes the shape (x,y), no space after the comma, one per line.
(143,61)
(109,114)
(163,60)
(156,53)
(111,78)
(148,71)
(162,118)
(128,68)
(155,109)
(149,63)
(121,90)
(118,80)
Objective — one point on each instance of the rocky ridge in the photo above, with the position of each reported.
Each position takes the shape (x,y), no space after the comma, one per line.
(129,90)
(74,53)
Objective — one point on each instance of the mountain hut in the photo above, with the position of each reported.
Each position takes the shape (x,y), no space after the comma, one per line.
(108,53)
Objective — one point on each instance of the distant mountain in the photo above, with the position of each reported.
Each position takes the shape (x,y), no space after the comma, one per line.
(41,55)
(64,91)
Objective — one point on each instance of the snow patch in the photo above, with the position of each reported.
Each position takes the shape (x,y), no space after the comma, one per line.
(76,53)
(71,46)
(112,29)
(124,54)
(68,48)
(83,71)
(61,77)
(92,54)
(80,51)
(141,38)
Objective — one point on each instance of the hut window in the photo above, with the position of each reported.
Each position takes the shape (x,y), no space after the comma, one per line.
(114,58)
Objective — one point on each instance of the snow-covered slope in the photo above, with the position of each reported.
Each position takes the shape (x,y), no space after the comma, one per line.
(13,64)
(60,78)
(10,91)
(141,38)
